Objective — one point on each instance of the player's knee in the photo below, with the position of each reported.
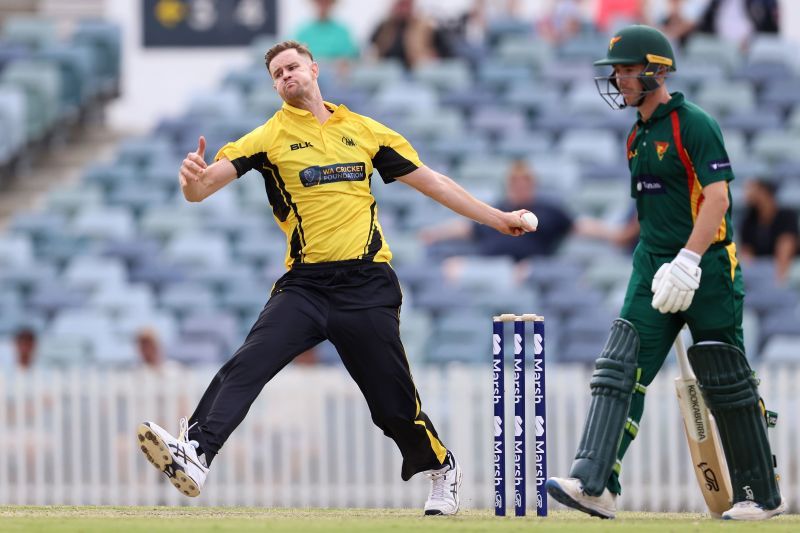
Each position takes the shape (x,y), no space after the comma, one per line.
(724,375)
(725,335)
(615,368)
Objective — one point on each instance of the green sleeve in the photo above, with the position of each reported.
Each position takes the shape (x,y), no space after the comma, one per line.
(702,140)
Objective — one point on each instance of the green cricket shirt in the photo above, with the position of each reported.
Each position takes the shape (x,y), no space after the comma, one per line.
(672,156)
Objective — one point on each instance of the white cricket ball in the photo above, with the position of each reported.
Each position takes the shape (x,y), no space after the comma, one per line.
(530,221)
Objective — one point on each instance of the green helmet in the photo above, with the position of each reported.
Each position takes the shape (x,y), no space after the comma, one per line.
(639,44)
(635,45)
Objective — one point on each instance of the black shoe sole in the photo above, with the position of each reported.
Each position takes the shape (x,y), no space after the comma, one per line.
(554,490)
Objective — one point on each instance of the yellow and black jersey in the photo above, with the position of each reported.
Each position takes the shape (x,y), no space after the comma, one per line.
(318,179)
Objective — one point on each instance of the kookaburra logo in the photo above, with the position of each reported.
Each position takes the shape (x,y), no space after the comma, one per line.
(709,476)
(697,414)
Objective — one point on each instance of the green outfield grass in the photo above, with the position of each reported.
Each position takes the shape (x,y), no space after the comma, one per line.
(63,519)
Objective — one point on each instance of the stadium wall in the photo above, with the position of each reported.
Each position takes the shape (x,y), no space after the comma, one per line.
(68,437)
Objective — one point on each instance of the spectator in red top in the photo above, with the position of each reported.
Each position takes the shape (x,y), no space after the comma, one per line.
(611,14)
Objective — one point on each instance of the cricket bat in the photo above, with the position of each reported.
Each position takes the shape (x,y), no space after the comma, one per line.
(708,458)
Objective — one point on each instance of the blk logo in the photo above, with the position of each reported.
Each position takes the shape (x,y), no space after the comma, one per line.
(301,145)
(348,141)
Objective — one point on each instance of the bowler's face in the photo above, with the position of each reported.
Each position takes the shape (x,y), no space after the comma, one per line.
(293,74)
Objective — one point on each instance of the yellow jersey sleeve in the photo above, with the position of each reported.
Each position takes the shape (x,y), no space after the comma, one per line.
(246,153)
(394,156)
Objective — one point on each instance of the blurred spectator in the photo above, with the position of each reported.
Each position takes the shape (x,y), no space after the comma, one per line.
(151,353)
(728,20)
(469,33)
(678,23)
(24,348)
(612,14)
(23,410)
(156,368)
(307,358)
(477,30)
(764,15)
(623,234)
(405,35)
(326,37)
(737,20)
(520,193)
(565,20)
(768,229)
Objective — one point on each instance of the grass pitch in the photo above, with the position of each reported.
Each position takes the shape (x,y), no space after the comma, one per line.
(64,519)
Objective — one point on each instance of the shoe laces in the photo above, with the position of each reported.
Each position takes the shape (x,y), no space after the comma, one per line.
(437,478)
(183,436)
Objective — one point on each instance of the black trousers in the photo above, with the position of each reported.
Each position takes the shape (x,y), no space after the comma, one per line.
(355,305)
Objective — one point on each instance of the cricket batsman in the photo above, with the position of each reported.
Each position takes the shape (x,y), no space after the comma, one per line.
(685,271)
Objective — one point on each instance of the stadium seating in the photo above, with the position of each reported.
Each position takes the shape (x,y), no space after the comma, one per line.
(120,250)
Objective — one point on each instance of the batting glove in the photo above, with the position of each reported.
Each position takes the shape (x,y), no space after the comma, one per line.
(675,282)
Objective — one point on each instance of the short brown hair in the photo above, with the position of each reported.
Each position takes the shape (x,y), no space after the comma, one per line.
(282,47)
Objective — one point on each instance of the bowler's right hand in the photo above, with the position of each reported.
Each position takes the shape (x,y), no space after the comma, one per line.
(194,166)
(511,223)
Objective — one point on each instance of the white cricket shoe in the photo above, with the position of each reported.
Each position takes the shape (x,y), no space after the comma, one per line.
(750,510)
(177,458)
(569,491)
(445,482)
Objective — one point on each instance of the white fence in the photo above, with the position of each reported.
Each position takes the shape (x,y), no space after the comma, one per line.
(68,437)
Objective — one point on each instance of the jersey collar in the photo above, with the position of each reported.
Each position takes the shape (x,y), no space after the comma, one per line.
(677,100)
(337,110)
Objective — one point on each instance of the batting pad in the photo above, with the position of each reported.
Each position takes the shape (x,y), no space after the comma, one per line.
(731,392)
(612,384)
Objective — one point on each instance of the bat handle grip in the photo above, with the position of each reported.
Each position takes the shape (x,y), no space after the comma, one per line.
(683,359)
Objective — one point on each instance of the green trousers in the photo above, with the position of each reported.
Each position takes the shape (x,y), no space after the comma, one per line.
(715,315)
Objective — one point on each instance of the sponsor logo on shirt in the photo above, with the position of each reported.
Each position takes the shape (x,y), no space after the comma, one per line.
(661,149)
(650,185)
(719,165)
(632,154)
(317,175)
(348,141)
(300,145)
